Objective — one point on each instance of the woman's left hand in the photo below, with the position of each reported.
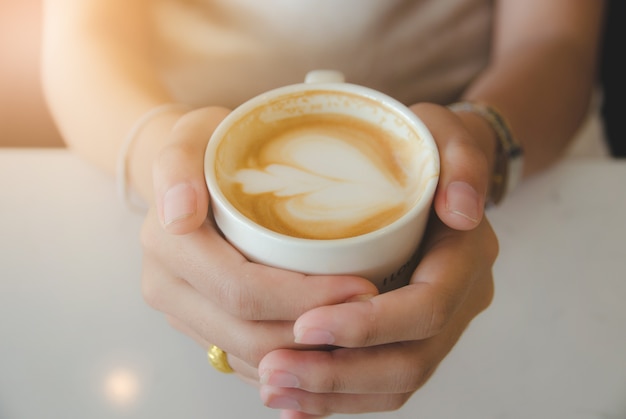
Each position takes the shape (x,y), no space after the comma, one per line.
(387,346)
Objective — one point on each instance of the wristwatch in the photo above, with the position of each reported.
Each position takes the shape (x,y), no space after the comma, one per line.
(509,159)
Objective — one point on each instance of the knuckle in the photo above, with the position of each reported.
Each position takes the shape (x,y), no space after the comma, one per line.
(148,235)
(171,155)
(369,337)
(152,290)
(251,353)
(330,380)
(439,313)
(373,330)
(467,155)
(410,369)
(336,384)
(247,307)
(368,334)
(237,299)
(247,300)
(226,293)
(474,152)
(152,293)
(254,357)
(412,376)
(231,297)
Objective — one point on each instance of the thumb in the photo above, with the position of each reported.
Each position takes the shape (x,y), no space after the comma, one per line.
(464,147)
(181,195)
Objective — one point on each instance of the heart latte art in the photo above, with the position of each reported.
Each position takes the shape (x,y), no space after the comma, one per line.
(318,176)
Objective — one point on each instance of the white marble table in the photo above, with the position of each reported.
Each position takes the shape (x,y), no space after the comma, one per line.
(77,340)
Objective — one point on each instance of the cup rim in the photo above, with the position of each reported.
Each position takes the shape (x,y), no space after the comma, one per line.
(364,91)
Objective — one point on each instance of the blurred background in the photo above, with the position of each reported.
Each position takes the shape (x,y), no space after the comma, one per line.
(24,117)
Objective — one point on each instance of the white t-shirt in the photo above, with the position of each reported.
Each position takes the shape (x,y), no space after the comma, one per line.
(222,52)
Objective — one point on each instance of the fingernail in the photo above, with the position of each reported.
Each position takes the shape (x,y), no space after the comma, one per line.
(179,203)
(280,379)
(283,402)
(314,337)
(463,200)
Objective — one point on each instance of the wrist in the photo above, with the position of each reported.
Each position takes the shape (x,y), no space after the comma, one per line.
(503,152)
(141,146)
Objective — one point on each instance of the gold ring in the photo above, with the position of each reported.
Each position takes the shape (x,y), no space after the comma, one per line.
(219,360)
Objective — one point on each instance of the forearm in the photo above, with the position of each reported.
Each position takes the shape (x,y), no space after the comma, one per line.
(97,86)
(544,108)
(542,84)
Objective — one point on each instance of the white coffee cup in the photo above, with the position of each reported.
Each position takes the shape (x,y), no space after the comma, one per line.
(359,210)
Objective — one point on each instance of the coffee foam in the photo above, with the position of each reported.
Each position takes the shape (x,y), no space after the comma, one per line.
(319,175)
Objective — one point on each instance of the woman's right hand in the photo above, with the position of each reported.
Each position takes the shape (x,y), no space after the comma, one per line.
(205,287)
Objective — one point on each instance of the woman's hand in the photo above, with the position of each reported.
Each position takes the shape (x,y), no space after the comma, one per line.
(466,145)
(212,293)
(208,289)
(390,344)
(265,316)
(180,192)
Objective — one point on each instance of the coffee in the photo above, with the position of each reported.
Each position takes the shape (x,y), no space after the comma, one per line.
(322,165)
(324,178)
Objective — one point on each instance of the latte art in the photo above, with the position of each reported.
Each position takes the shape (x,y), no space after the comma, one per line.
(320,177)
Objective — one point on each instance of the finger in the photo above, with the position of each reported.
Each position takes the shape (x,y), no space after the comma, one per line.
(294,414)
(208,323)
(245,290)
(245,371)
(389,369)
(396,370)
(181,195)
(298,404)
(464,177)
(418,310)
(347,380)
(186,330)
